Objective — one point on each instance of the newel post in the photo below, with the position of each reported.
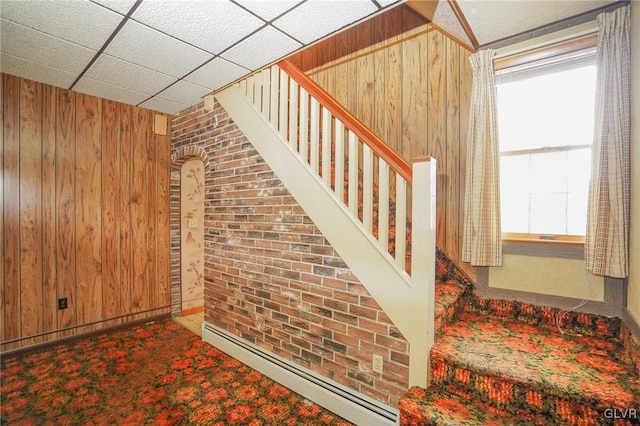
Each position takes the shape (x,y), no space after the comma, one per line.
(423,249)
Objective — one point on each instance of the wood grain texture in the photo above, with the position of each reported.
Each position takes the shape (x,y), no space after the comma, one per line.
(66,213)
(66,205)
(11,196)
(421,91)
(111,208)
(49,254)
(88,208)
(2,208)
(30,208)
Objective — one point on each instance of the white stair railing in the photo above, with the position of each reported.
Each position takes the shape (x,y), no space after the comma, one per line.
(311,141)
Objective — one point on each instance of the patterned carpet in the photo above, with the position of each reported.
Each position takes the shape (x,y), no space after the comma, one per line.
(156,374)
(505,363)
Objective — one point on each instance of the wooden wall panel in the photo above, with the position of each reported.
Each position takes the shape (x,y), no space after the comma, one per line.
(66,205)
(111,209)
(88,174)
(30,208)
(412,89)
(11,191)
(163,230)
(126,230)
(76,170)
(2,210)
(49,272)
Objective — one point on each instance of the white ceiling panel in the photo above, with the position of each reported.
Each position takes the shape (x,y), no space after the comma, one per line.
(185,93)
(144,46)
(216,74)
(128,76)
(495,20)
(108,91)
(121,6)
(316,18)
(385,3)
(269,10)
(67,20)
(209,25)
(163,105)
(29,70)
(261,48)
(42,49)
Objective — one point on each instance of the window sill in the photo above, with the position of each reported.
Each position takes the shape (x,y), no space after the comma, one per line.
(556,240)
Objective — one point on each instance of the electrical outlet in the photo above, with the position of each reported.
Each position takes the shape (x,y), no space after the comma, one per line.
(377,363)
(62,303)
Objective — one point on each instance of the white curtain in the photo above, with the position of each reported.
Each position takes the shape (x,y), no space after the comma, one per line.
(607,235)
(482,238)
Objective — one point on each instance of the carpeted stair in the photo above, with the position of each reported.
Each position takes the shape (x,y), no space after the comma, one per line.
(507,363)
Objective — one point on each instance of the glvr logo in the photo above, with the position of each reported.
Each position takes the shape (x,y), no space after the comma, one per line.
(621,413)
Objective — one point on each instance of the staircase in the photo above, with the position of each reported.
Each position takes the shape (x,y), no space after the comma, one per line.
(356,189)
(493,362)
(507,363)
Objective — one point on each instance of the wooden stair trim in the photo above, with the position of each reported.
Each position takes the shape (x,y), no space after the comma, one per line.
(377,145)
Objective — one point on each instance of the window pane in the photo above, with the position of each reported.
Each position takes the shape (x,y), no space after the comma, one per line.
(549,214)
(549,173)
(545,115)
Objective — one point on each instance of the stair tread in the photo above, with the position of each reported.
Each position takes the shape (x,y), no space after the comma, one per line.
(420,407)
(580,367)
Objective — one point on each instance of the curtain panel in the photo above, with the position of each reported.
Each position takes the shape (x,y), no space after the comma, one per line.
(607,234)
(482,238)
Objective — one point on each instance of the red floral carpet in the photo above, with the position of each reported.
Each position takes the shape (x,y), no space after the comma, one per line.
(159,374)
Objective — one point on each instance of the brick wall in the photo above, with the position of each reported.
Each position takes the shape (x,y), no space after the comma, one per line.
(270,275)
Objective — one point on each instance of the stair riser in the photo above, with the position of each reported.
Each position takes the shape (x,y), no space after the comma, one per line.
(520,400)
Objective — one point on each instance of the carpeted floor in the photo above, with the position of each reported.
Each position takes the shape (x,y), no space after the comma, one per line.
(159,374)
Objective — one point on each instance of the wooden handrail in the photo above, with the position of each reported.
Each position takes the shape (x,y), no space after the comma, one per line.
(377,145)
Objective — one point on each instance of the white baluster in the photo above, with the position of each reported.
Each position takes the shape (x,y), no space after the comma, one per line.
(273,108)
(326,147)
(339,165)
(251,89)
(266,93)
(353,174)
(285,97)
(383,205)
(293,113)
(304,126)
(367,187)
(315,136)
(401,221)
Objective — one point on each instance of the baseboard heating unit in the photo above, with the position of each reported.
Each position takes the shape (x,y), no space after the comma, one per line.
(347,403)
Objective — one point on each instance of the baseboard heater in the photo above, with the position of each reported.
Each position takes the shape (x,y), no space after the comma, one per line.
(347,403)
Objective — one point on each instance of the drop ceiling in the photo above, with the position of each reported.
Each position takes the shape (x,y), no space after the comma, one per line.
(164,55)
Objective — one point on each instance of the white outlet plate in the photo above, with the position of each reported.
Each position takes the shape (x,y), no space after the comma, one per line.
(377,363)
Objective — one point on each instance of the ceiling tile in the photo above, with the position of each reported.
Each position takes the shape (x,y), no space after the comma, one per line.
(262,48)
(209,25)
(185,93)
(120,6)
(163,105)
(128,76)
(29,70)
(109,91)
(314,19)
(144,46)
(216,74)
(42,49)
(68,20)
(268,10)
(385,3)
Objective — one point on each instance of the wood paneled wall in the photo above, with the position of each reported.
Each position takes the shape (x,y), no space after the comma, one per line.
(85,213)
(411,85)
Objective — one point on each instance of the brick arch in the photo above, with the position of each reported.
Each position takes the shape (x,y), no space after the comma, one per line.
(178,158)
(187,152)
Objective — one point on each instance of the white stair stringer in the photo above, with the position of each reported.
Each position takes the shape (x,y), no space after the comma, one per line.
(407,300)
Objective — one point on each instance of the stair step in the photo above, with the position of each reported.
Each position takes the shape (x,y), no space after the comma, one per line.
(517,367)
(447,297)
(434,407)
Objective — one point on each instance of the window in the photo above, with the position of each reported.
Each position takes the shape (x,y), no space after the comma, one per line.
(545,120)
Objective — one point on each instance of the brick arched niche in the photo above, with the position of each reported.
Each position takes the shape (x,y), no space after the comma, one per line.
(178,158)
